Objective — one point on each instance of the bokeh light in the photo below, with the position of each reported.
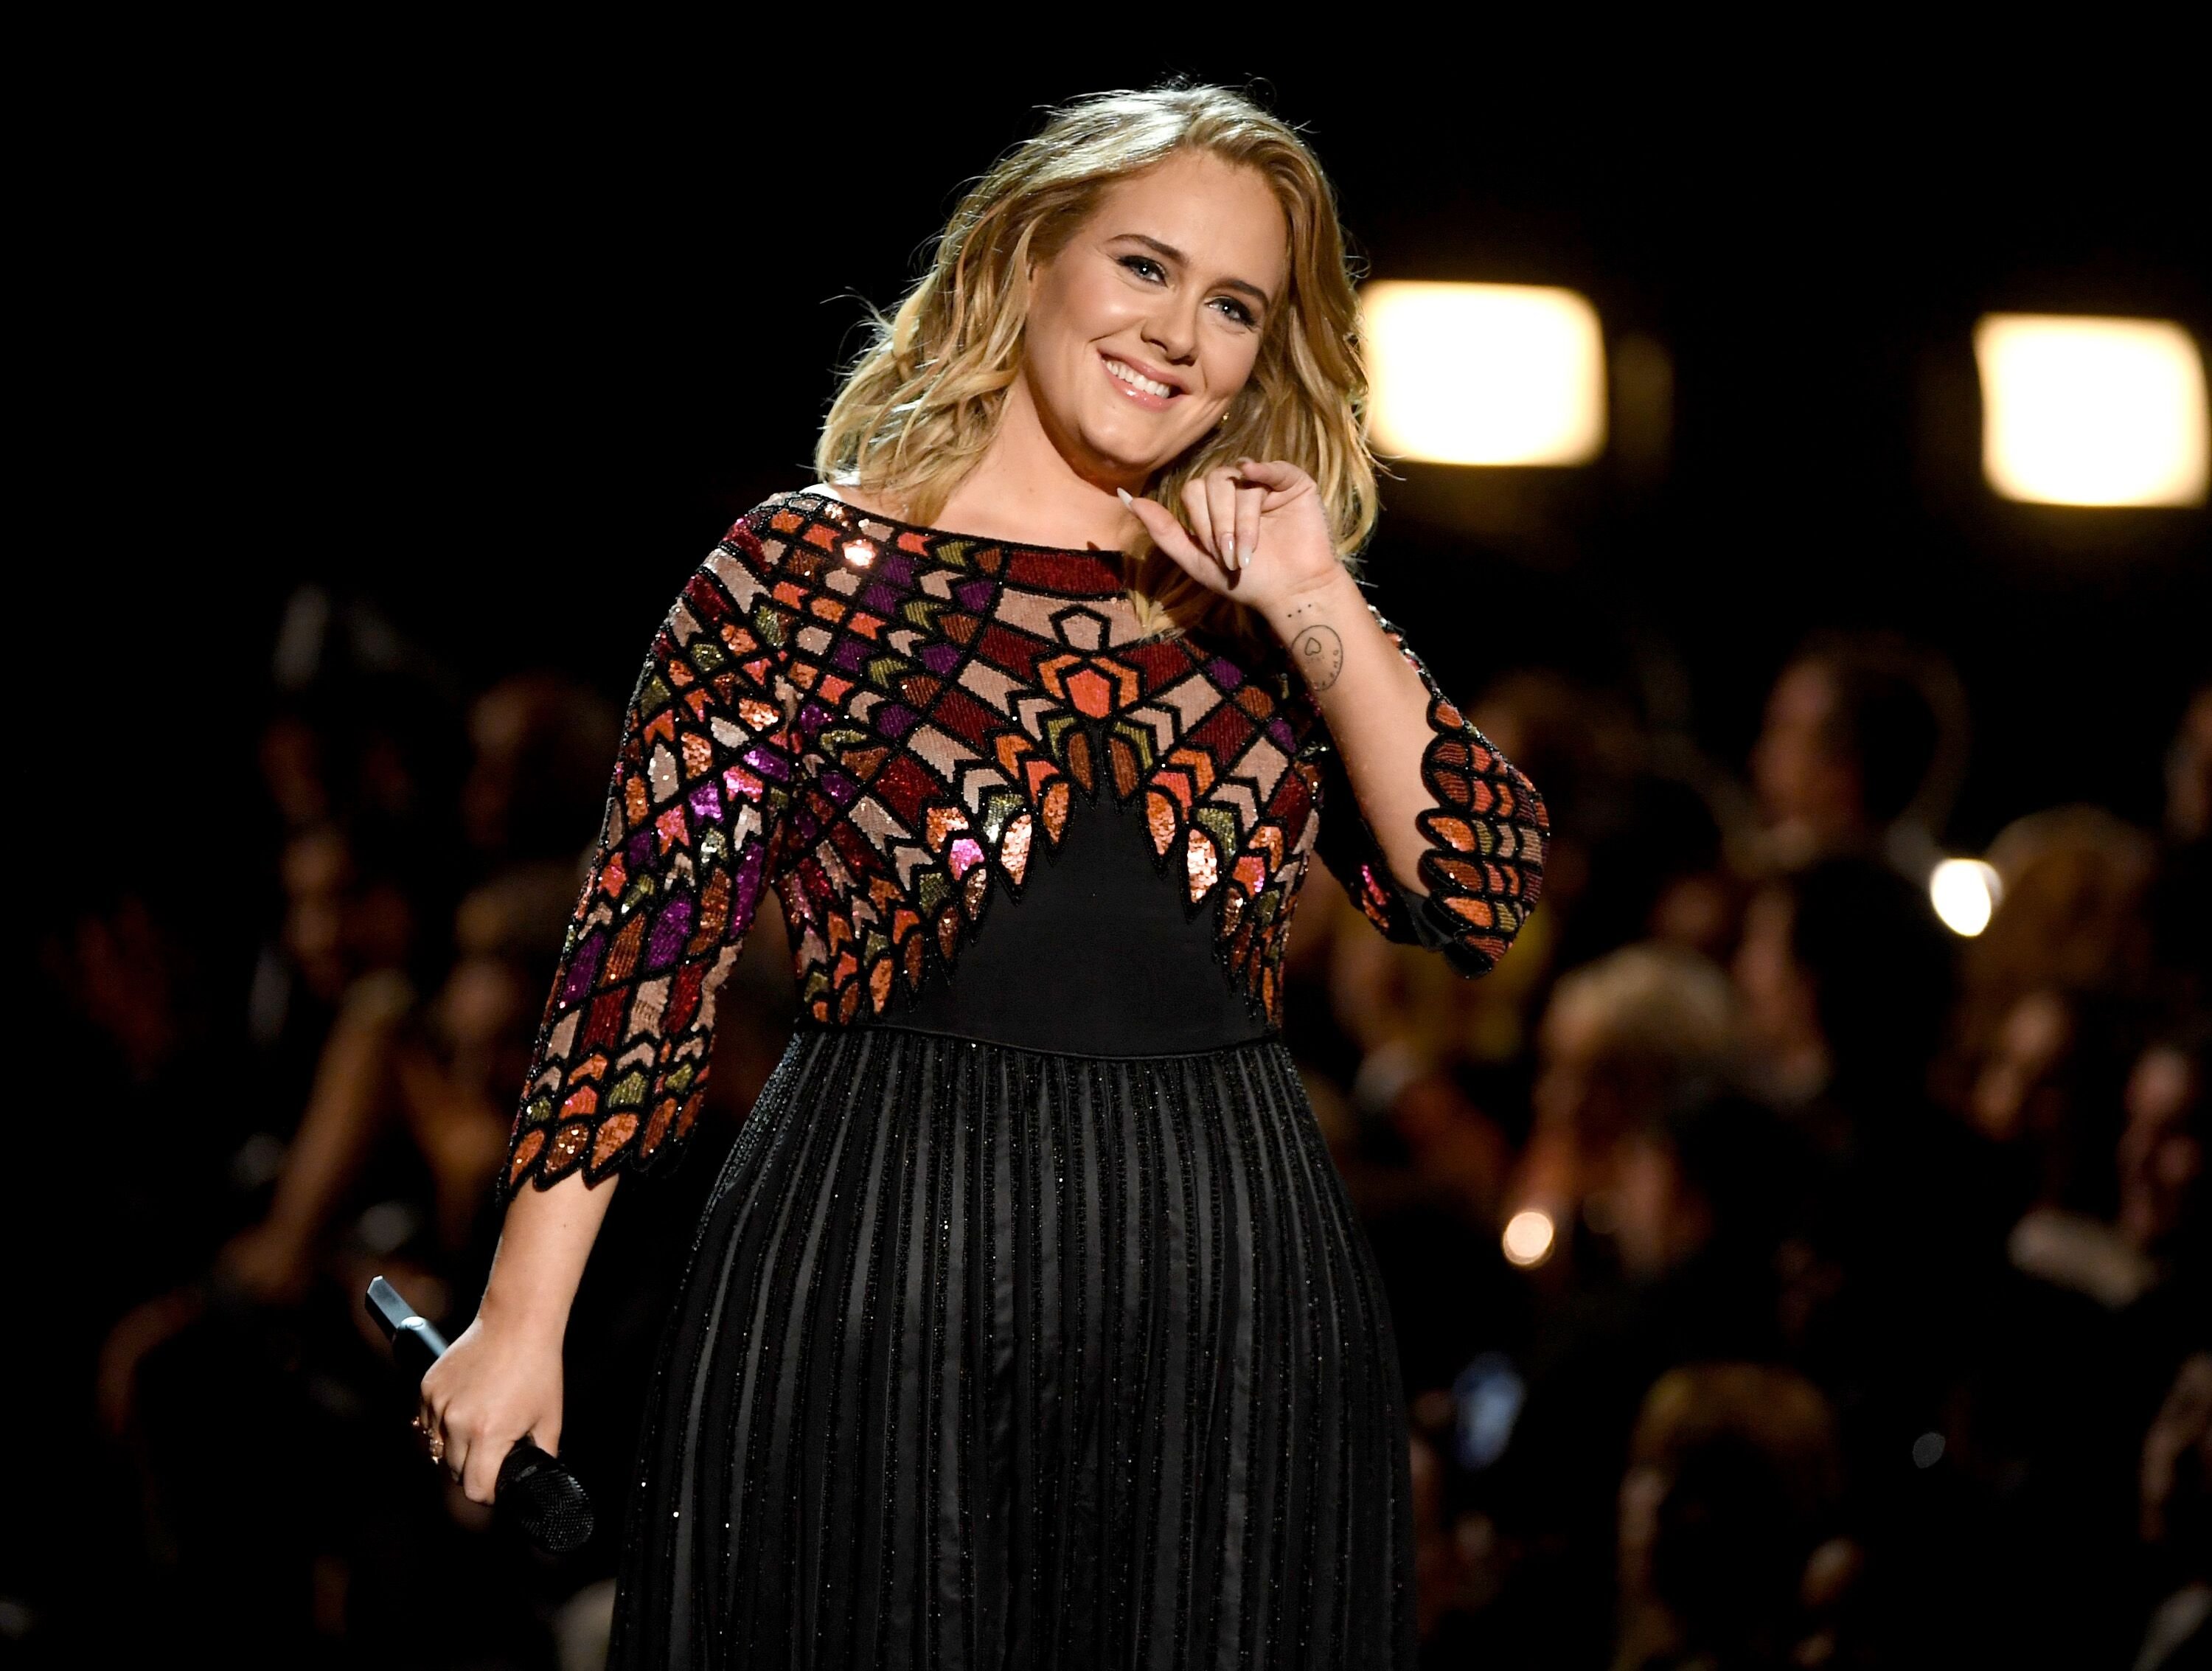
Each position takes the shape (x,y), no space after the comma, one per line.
(2077,410)
(1529,1238)
(1485,374)
(1965,893)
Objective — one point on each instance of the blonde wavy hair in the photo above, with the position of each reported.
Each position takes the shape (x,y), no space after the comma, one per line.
(921,404)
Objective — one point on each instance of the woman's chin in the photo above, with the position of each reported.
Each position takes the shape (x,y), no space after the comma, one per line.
(1121,455)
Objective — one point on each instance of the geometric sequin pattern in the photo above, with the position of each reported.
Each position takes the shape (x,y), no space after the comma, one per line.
(883,722)
(1484,867)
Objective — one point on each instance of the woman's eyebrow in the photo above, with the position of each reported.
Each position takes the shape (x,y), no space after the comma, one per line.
(1174,254)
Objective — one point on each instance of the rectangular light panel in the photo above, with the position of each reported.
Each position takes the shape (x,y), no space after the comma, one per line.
(1484,373)
(2079,410)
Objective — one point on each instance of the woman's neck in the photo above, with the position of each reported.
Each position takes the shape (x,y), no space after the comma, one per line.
(1025,489)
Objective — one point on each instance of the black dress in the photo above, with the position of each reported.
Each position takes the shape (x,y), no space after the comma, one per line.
(1028,1324)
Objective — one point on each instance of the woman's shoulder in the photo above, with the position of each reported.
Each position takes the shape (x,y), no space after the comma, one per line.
(782,551)
(812,516)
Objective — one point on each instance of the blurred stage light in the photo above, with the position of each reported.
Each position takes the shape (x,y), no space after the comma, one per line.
(1527,1238)
(1484,373)
(2078,410)
(1965,893)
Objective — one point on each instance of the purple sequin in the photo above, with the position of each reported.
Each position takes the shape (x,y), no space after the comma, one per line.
(746,890)
(849,654)
(894,721)
(669,932)
(582,967)
(767,763)
(941,659)
(707,803)
(975,596)
(881,599)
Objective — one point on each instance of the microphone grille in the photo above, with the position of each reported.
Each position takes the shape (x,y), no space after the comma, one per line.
(547,1504)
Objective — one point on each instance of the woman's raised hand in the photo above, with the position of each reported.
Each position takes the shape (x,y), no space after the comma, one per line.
(1257,531)
(491,1387)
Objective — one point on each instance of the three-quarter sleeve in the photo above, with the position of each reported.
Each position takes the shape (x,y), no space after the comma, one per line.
(692,818)
(1485,831)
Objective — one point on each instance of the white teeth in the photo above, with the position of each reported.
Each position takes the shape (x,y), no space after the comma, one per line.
(1137,381)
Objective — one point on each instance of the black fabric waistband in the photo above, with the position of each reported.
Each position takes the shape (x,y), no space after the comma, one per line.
(810,1029)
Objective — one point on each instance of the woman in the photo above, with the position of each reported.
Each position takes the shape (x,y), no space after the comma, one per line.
(1028,1324)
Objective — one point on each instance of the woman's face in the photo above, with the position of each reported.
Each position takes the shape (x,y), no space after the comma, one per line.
(1145,325)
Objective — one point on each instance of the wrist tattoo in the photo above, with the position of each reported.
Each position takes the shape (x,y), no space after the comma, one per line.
(1320,655)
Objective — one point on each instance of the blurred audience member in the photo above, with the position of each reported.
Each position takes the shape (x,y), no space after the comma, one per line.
(2050,1096)
(2164,1220)
(1728,1549)
(2162,1170)
(1625,1039)
(2068,919)
(2189,773)
(1862,751)
(1846,978)
(350,928)
(1638,851)
(1648,1251)
(1711,1184)
(537,783)
(2181,907)
(2176,1522)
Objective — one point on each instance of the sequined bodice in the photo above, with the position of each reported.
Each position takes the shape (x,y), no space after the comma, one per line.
(892,725)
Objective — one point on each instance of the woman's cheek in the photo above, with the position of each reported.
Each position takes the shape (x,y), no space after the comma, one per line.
(1229,370)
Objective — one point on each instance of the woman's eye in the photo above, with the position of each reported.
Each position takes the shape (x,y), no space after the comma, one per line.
(1234,309)
(1143,266)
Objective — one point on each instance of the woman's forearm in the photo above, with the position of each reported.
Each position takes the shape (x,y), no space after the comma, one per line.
(1376,709)
(544,1244)
(345,1110)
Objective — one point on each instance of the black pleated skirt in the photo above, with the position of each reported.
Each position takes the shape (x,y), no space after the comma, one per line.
(997,1357)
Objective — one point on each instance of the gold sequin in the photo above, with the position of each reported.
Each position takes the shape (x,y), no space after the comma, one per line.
(1205,865)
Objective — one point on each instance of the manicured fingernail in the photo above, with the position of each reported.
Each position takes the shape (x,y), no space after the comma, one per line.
(1125,500)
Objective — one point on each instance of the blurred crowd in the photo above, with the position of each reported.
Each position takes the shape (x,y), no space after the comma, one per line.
(1781,1277)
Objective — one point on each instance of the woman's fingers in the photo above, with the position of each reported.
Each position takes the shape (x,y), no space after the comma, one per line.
(1225,510)
(479,1470)
(1221,511)
(1284,482)
(1170,536)
(470,1458)
(1251,499)
(1200,513)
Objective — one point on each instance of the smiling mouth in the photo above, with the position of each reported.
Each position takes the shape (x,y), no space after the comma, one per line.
(1137,382)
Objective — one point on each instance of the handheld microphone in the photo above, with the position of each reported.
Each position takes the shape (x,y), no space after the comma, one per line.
(543,1500)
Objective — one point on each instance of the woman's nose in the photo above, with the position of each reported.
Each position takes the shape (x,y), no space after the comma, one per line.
(1173,332)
